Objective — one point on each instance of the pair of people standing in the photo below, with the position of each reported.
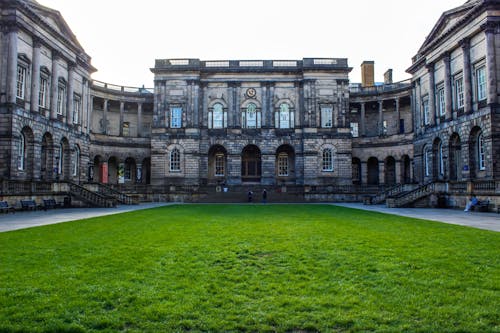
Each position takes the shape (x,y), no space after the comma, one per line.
(264,196)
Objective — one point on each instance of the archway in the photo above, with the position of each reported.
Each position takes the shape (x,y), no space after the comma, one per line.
(406,173)
(285,162)
(217,164)
(251,164)
(390,170)
(46,157)
(372,166)
(455,155)
(113,170)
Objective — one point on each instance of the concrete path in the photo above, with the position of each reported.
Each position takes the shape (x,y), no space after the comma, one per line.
(22,220)
(488,221)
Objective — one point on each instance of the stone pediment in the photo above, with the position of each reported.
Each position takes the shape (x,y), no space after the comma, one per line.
(54,19)
(448,21)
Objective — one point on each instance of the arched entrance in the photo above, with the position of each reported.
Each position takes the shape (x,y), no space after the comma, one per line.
(372,166)
(251,164)
(390,171)
(455,155)
(285,163)
(356,171)
(406,169)
(46,158)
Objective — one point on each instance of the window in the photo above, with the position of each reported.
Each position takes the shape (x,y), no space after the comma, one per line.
(76,161)
(128,171)
(21,81)
(219,164)
(77,107)
(126,128)
(481,83)
(354,130)
(21,153)
(60,159)
(251,117)
(425,111)
(440,100)
(217,117)
(284,117)
(459,92)
(427,162)
(481,149)
(440,158)
(176,117)
(327,160)
(283,164)
(43,94)
(384,127)
(326,116)
(175,160)
(61,97)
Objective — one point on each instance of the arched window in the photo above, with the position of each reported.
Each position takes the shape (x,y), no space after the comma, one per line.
(284,117)
(219,164)
(21,152)
(440,159)
(217,117)
(60,159)
(283,164)
(481,150)
(251,117)
(327,160)
(427,161)
(175,160)
(76,161)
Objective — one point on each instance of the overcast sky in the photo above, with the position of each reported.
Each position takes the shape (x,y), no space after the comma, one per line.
(124,37)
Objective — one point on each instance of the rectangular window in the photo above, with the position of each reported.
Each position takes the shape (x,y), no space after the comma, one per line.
(126,129)
(425,111)
(43,94)
(326,117)
(327,160)
(481,83)
(354,130)
(440,100)
(283,165)
(219,165)
(21,82)
(77,106)
(459,92)
(284,119)
(61,98)
(175,161)
(176,117)
(481,153)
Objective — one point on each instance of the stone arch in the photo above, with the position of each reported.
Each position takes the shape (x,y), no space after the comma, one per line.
(251,164)
(390,171)
(63,160)
(217,164)
(285,162)
(438,166)
(406,169)
(113,164)
(130,169)
(477,151)
(26,153)
(47,157)
(455,157)
(372,171)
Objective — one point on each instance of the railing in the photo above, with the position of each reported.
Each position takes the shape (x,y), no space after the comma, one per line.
(483,186)
(109,191)
(93,198)
(25,187)
(114,87)
(357,89)
(412,196)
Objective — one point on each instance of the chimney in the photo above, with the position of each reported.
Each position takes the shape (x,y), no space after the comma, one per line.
(368,74)
(388,76)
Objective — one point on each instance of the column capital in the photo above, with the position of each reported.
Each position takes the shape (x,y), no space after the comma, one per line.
(464,43)
(446,56)
(37,42)
(430,66)
(490,27)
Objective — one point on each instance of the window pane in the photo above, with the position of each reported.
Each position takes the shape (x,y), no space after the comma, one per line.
(481,83)
(327,160)
(176,117)
(326,116)
(284,116)
(218,116)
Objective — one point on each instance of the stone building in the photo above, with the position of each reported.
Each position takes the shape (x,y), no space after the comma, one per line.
(293,126)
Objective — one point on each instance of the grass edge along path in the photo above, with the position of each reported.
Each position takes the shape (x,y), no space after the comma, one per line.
(266,268)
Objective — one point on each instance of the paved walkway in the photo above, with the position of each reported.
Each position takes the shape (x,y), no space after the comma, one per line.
(488,221)
(21,220)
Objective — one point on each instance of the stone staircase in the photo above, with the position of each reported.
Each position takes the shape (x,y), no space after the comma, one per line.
(92,198)
(405,199)
(393,192)
(239,194)
(119,196)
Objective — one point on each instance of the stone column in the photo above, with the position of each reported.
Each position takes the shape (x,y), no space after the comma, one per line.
(35,75)
(54,85)
(237,105)
(432,94)
(491,62)
(298,106)
(231,119)
(447,87)
(270,115)
(204,111)
(265,110)
(69,93)
(364,172)
(362,117)
(122,109)
(465,43)
(380,117)
(90,111)
(398,116)
(196,100)
(105,117)
(12,65)
(139,120)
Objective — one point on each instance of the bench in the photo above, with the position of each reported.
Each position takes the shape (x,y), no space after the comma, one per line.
(482,206)
(5,207)
(28,205)
(50,204)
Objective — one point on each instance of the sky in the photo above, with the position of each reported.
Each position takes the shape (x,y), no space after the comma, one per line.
(124,37)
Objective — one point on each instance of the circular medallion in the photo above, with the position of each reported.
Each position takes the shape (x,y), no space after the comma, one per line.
(251,92)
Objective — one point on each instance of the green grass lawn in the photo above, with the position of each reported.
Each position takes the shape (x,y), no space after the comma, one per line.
(258,268)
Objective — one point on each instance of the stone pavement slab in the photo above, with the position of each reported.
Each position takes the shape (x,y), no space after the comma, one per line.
(480,220)
(29,219)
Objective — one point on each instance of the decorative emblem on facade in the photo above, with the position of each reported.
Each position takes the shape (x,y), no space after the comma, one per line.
(251,92)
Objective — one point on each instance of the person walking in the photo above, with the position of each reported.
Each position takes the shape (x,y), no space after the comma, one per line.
(250,195)
(264,196)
